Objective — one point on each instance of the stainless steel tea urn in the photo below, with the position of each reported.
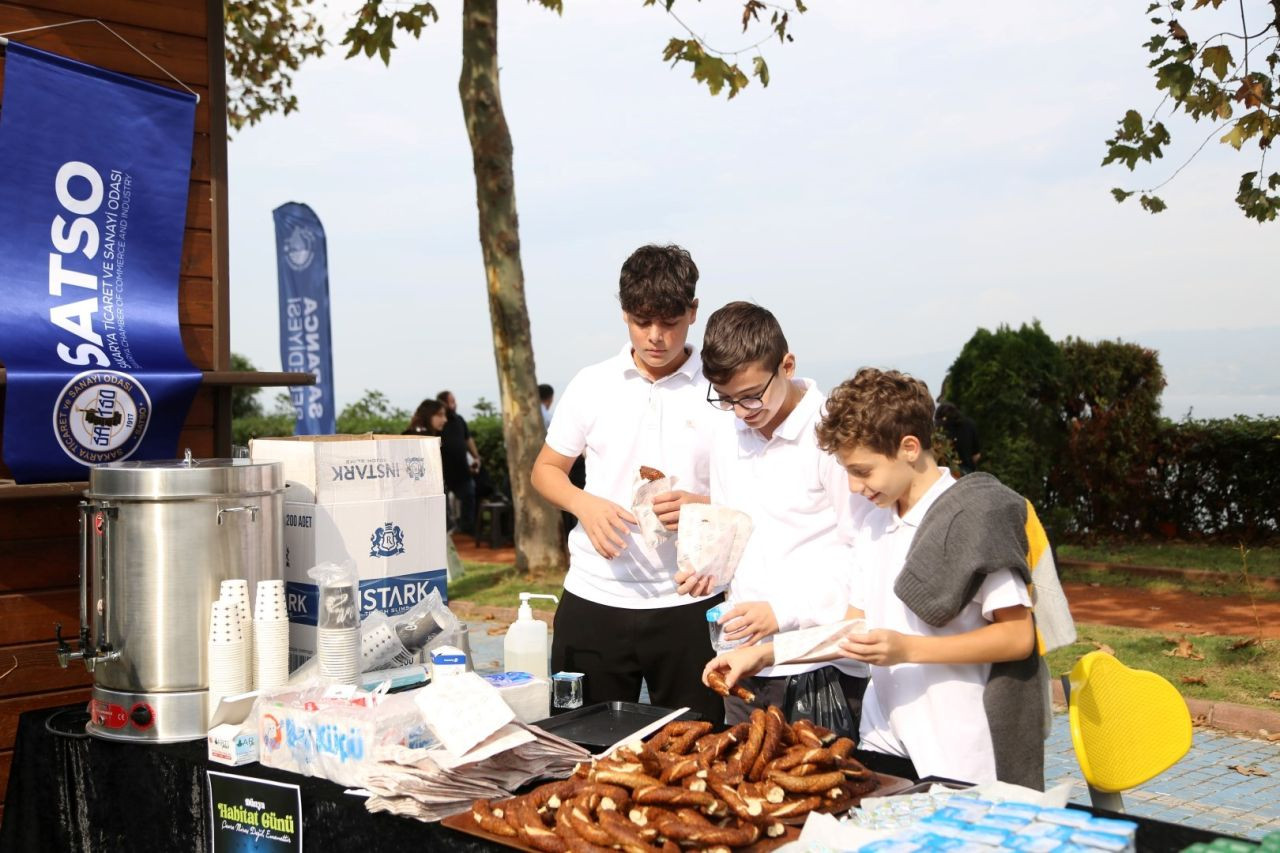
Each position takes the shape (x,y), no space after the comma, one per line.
(157,539)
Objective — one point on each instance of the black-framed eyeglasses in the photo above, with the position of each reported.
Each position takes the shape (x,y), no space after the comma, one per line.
(750,403)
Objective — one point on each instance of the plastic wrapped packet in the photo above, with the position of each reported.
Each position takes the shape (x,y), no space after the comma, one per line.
(652,531)
(711,540)
(380,646)
(423,622)
(335,731)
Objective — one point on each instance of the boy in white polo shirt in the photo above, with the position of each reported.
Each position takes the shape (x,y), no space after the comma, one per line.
(797,565)
(956,679)
(620,620)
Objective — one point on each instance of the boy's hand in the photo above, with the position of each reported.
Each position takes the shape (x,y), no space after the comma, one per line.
(689,582)
(667,506)
(605,523)
(739,663)
(750,620)
(880,647)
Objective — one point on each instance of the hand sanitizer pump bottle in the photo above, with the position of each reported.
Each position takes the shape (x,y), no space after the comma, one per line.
(525,649)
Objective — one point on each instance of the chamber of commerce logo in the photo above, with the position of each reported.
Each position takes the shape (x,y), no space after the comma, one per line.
(386,541)
(299,248)
(415,467)
(101,416)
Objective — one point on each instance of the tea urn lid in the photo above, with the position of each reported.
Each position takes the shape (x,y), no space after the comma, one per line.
(167,479)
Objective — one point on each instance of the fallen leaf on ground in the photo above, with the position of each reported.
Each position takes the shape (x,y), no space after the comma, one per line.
(1095,584)
(1275,736)
(1184,650)
(496,630)
(1274,694)
(1194,679)
(489,617)
(1200,720)
(1250,770)
(1155,607)
(1243,644)
(1182,624)
(1105,649)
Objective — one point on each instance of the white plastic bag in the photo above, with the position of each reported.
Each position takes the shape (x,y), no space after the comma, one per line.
(652,531)
(711,540)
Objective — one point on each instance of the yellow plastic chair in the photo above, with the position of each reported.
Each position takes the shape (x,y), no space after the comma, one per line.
(1127,725)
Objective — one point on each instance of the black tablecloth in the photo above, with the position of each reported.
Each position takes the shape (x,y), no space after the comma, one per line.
(96,795)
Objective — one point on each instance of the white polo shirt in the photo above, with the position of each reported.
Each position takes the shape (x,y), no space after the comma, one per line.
(621,419)
(931,713)
(800,555)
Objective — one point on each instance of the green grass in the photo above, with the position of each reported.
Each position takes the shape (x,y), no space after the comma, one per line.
(500,585)
(1263,561)
(1244,676)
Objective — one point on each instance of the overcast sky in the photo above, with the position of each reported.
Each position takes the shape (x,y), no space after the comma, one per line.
(915,171)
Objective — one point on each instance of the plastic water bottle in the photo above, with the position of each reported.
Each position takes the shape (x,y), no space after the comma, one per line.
(524,649)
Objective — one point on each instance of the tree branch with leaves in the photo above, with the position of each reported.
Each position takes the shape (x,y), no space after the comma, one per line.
(1229,79)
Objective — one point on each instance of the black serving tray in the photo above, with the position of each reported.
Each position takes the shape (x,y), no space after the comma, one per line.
(598,726)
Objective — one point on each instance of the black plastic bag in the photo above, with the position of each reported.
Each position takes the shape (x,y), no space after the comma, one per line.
(819,696)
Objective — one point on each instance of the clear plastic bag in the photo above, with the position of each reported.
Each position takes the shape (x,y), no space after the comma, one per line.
(423,622)
(652,531)
(380,646)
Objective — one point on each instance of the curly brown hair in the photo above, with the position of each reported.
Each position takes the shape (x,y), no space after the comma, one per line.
(658,282)
(876,409)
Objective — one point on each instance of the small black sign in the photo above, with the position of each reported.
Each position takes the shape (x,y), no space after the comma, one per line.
(248,814)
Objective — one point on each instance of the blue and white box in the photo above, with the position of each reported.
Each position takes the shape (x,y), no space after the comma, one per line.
(377,501)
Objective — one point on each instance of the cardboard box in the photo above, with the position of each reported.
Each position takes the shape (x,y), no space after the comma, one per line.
(234,744)
(376,501)
(348,468)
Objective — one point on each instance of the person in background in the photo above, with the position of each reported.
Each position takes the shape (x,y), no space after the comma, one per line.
(963,433)
(546,394)
(428,419)
(459,473)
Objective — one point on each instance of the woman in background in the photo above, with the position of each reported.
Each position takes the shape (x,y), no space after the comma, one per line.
(428,419)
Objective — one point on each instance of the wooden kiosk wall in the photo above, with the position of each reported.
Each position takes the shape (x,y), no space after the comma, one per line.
(38,524)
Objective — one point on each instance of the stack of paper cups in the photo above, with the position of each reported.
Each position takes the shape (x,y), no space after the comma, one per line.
(227,675)
(271,636)
(237,592)
(339,652)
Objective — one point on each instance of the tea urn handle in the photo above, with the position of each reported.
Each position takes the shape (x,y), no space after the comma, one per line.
(252,509)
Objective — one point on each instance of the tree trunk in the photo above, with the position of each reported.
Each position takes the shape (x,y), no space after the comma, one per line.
(537,523)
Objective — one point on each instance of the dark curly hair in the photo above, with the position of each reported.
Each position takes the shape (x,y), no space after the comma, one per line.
(658,282)
(876,409)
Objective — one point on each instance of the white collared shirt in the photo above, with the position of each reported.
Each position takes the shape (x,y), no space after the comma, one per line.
(800,555)
(929,712)
(621,419)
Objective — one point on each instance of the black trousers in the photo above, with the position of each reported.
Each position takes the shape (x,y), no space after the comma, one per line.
(617,647)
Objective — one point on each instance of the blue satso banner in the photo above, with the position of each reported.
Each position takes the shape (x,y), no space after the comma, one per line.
(302,266)
(94,169)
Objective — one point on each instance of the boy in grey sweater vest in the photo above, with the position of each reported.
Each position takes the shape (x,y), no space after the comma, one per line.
(956,680)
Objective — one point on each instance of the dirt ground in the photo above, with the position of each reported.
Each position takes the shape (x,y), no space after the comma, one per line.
(1155,610)
(1166,610)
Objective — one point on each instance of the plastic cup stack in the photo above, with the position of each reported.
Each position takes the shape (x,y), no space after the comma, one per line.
(271,636)
(237,592)
(338,634)
(227,675)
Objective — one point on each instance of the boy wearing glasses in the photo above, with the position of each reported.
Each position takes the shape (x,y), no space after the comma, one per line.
(621,620)
(766,462)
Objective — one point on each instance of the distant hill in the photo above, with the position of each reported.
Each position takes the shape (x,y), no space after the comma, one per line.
(1212,373)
